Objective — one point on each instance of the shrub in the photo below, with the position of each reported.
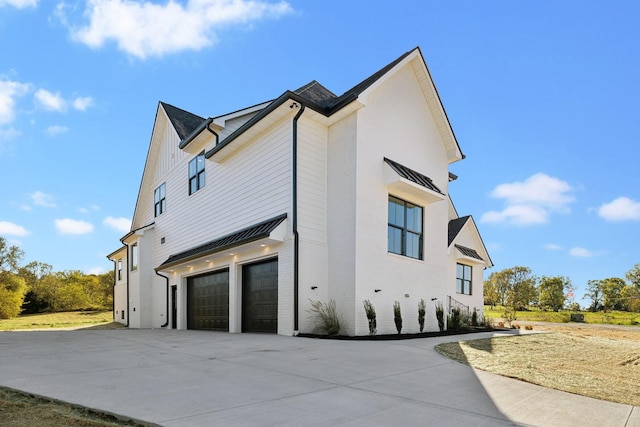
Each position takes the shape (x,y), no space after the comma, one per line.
(326,317)
(474,318)
(500,324)
(422,306)
(371,316)
(515,326)
(440,315)
(454,321)
(528,327)
(397,316)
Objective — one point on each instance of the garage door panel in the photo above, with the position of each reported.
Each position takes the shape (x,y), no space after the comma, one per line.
(208,301)
(260,297)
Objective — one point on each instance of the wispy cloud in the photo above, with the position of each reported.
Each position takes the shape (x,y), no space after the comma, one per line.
(10,229)
(56,130)
(122,225)
(20,4)
(82,103)
(580,252)
(145,29)
(50,101)
(73,226)
(530,201)
(620,209)
(9,91)
(553,247)
(89,209)
(42,199)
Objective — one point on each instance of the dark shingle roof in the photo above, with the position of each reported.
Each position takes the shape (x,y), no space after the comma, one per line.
(183,121)
(246,235)
(413,176)
(455,225)
(469,252)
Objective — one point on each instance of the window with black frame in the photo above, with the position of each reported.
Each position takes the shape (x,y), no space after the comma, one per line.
(196,173)
(463,279)
(159,200)
(404,228)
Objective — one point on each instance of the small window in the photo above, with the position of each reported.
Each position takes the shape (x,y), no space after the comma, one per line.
(134,257)
(404,231)
(120,269)
(196,173)
(463,279)
(159,200)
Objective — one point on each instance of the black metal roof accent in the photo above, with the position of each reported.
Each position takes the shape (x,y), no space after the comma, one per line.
(183,121)
(469,252)
(455,225)
(413,176)
(237,238)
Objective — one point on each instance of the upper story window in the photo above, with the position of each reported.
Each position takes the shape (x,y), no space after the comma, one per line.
(134,257)
(159,200)
(404,228)
(120,269)
(463,279)
(196,173)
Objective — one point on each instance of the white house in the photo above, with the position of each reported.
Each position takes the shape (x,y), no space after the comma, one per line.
(243,219)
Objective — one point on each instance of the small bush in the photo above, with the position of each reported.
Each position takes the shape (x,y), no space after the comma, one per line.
(528,327)
(397,316)
(422,306)
(500,324)
(515,326)
(371,316)
(474,318)
(440,315)
(326,317)
(454,321)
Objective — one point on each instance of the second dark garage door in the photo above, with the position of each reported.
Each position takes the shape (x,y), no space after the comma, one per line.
(208,301)
(260,296)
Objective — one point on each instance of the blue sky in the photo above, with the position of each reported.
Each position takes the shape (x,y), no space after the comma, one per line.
(542,96)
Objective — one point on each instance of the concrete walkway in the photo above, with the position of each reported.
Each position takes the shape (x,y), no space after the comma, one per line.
(193,378)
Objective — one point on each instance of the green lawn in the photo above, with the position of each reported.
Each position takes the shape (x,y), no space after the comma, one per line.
(71,319)
(535,315)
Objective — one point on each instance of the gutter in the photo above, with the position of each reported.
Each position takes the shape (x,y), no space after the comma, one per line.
(167,299)
(204,125)
(296,236)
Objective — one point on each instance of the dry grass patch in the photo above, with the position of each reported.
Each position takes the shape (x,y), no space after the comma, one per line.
(595,362)
(65,320)
(20,409)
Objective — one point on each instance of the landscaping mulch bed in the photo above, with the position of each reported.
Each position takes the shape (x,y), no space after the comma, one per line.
(602,363)
(388,337)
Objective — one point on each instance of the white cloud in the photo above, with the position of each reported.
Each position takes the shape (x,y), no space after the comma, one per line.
(95,270)
(50,101)
(553,247)
(91,208)
(122,225)
(56,130)
(143,29)
(73,226)
(9,91)
(581,252)
(42,199)
(10,229)
(531,201)
(81,103)
(620,209)
(19,3)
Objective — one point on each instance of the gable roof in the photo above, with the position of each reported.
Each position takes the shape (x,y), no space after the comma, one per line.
(237,238)
(413,176)
(455,225)
(318,98)
(183,121)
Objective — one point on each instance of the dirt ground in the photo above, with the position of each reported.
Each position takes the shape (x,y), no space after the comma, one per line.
(600,361)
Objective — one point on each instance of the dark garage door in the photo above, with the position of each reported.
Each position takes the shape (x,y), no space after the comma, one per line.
(208,301)
(260,297)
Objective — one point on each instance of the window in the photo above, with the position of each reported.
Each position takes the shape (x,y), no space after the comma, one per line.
(119,269)
(134,257)
(463,279)
(159,200)
(196,173)
(405,228)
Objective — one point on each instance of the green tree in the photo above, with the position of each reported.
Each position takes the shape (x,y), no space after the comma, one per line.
(12,287)
(490,291)
(633,276)
(631,298)
(594,293)
(37,276)
(514,287)
(612,293)
(553,291)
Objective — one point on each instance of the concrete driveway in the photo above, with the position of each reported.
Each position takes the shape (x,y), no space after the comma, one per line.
(193,378)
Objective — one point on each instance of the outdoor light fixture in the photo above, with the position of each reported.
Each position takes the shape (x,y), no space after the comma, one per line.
(433,299)
(377,290)
(314,287)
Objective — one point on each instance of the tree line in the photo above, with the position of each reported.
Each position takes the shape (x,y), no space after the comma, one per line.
(36,288)
(516,288)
